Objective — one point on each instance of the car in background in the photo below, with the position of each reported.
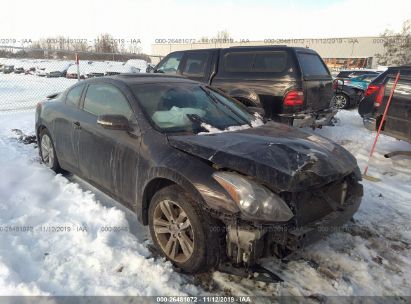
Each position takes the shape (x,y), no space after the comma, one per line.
(58,69)
(287,84)
(121,69)
(349,91)
(139,64)
(84,68)
(41,71)
(210,179)
(372,106)
(346,74)
(19,69)
(96,69)
(8,69)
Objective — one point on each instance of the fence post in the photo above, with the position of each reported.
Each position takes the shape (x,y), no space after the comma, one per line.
(78,67)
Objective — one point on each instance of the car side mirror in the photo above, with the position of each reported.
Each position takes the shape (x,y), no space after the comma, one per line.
(114,122)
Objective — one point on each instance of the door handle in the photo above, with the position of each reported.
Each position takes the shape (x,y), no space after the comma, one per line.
(77,125)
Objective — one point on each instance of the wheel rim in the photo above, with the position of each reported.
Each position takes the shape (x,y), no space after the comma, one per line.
(173,231)
(339,101)
(47,151)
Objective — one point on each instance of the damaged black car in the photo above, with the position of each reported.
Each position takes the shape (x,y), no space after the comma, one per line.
(214,182)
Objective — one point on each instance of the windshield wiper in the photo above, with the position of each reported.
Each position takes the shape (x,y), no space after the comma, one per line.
(216,100)
(197,120)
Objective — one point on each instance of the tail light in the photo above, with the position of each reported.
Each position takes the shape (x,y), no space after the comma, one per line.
(335,84)
(376,88)
(380,97)
(294,98)
(372,88)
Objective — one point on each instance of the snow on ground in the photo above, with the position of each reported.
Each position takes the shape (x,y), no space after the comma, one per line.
(370,256)
(19,91)
(53,255)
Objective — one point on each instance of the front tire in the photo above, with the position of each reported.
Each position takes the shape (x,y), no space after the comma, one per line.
(184,233)
(48,152)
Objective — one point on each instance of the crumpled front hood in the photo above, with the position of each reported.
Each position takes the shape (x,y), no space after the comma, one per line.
(284,158)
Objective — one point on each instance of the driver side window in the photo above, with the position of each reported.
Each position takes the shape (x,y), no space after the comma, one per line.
(102,99)
(170,64)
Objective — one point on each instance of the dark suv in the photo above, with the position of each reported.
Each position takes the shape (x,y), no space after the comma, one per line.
(290,84)
(371,108)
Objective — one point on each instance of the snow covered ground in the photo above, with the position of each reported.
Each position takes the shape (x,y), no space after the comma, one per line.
(19,91)
(53,238)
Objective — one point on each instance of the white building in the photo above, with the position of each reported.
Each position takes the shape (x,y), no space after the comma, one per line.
(348,52)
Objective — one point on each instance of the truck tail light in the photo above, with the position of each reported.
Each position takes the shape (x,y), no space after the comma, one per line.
(294,98)
(380,97)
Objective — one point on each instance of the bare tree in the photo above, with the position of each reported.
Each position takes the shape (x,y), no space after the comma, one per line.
(397,46)
(105,43)
(223,35)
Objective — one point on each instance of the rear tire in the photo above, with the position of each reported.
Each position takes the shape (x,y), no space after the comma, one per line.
(340,101)
(184,233)
(48,152)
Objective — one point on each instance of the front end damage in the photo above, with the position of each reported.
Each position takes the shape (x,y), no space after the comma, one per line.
(318,212)
(288,188)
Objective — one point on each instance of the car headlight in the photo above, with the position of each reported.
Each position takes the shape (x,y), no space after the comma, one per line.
(255,201)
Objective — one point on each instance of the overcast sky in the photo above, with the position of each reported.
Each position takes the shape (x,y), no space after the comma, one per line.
(150,20)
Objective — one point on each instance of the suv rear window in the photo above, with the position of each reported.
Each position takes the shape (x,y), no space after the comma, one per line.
(273,62)
(312,65)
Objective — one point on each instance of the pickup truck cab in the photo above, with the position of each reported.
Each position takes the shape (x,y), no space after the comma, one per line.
(290,84)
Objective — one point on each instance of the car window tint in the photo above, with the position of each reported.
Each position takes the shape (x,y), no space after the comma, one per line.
(238,62)
(244,62)
(196,64)
(170,65)
(73,96)
(312,65)
(270,62)
(103,99)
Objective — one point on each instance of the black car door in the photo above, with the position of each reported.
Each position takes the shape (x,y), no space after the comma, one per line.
(66,132)
(398,121)
(108,157)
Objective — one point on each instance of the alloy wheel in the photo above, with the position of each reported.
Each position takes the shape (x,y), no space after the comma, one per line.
(339,101)
(173,231)
(47,151)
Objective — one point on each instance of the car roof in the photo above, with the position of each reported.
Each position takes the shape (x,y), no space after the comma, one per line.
(362,71)
(405,66)
(139,78)
(251,47)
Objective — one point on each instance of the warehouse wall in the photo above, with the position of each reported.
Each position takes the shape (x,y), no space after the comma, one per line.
(350,47)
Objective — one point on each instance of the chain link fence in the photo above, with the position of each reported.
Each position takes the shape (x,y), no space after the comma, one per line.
(27,76)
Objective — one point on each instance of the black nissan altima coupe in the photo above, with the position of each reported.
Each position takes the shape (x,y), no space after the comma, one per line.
(212,180)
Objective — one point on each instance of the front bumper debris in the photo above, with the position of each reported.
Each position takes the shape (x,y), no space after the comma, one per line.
(247,243)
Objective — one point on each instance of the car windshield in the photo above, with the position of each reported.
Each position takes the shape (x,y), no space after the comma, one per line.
(185,107)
